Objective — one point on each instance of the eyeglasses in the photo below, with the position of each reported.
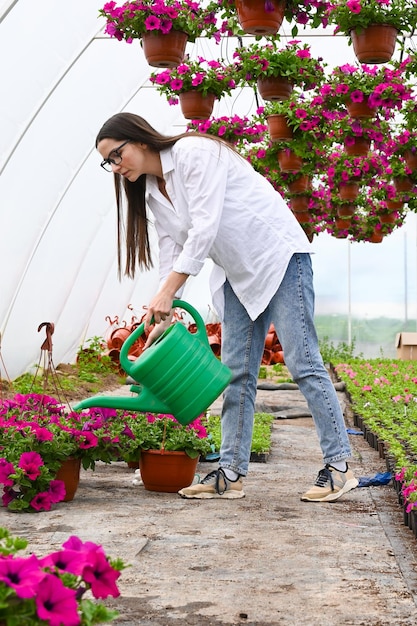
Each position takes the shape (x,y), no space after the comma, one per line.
(114,158)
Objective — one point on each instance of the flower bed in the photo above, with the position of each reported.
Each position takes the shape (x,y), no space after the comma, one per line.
(383,396)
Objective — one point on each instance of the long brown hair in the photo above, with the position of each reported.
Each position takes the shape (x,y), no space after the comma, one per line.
(128,126)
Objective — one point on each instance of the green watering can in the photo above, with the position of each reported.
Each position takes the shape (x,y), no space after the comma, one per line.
(178,374)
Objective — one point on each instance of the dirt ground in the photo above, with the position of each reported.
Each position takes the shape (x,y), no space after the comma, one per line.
(267,559)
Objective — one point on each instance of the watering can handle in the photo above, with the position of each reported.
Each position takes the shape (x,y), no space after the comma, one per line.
(201,328)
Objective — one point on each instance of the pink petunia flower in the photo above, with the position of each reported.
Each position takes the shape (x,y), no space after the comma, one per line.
(56,604)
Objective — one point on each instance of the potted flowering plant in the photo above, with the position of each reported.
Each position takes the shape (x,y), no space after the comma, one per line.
(200,75)
(38,437)
(208,79)
(51,589)
(361,20)
(235,130)
(293,63)
(163,26)
(357,15)
(364,89)
(168,452)
(131,20)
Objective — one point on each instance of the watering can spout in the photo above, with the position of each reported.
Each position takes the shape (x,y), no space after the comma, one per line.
(143,402)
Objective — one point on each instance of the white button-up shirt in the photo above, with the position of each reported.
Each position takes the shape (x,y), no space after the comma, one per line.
(223,209)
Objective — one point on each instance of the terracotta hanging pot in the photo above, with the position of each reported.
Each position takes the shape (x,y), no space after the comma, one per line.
(376,237)
(360,110)
(411,160)
(349,191)
(395,205)
(375,44)
(165,470)
(256,18)
(164,49)
(69,473)
(300,184)
(360,146)
(288,161)
(343,223)
(403,183)
(278,127)
(274,88)
(346,210)
(196,106)
(303,217)
(389,217)
(299,203)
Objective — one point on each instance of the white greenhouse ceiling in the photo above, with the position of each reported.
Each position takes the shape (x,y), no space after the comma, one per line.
(61,78)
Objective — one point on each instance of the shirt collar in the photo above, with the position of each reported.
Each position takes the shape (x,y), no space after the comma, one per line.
(166,161)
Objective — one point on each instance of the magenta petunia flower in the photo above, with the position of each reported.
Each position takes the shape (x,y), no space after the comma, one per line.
(57,490)
(67,560)
(56,604)
(152,22)
(357,96)
(30,462)
(22,574)
(354,6)
(101,576)
(6,469)
(42,501)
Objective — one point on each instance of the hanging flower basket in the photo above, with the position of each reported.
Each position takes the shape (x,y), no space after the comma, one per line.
(300,184)
(375,44)
(288,161)
(346,210)
(274,88)
(357,146)
(303,217)
(376,237)
(411,160)
(360,110)
(195,105)
(299,203)
(259,17)
(403,183)
(164,49)
(278,127)
(349,191)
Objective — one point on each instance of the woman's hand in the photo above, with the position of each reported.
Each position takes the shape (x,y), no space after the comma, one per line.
(157,331)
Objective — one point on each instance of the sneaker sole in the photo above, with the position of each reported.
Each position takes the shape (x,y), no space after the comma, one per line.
(227,495)
(331,497)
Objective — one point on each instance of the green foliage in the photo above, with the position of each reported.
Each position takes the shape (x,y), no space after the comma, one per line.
(261,440)
(93,359)
(336,354)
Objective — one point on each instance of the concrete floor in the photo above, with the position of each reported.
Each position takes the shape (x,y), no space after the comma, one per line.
(267,559)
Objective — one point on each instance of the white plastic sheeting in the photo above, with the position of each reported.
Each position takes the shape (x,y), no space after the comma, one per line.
(60,79)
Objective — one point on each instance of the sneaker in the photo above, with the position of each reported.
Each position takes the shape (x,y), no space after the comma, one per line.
(214,485)
(330,485)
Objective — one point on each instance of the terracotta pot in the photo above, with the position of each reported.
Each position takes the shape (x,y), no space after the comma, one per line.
(360,147)
(388,218)
(300,184)
(299,203)
(359,110)
(349,191)
(375,44)
(274,88)
(303,217)
(69,473)
(288,161)
(403,183)
(164,49)
(343,223)
(278,127)
(346,210)
(118,337)
(165,470)
(376,237)
(411,160)
(195,106)
(255,20)
(394,205)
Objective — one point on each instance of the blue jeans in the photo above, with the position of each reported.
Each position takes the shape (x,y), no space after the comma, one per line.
(291,310)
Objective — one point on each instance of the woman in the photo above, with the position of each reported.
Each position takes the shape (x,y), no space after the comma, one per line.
(208,202)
